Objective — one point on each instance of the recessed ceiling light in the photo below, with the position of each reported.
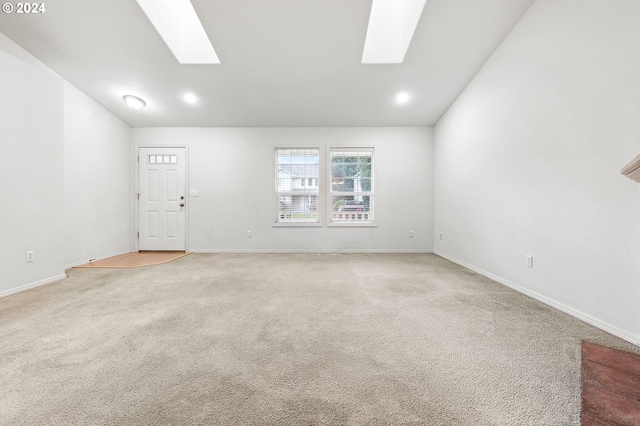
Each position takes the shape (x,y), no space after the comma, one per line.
(177,23)
(134,102)
(391,27)
(190,98)
(402,98)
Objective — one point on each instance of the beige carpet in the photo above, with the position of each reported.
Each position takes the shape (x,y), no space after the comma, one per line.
(289,339)
(136,259)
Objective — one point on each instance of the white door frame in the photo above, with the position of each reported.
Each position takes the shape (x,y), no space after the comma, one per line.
(136,218)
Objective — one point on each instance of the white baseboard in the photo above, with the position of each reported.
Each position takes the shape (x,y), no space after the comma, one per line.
(310,251)
(550,302)
(83,262)
(32,285)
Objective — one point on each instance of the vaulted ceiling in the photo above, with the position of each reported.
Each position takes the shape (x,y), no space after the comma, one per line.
(283,62)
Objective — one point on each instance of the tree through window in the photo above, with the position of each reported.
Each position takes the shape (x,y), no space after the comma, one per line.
(351,185)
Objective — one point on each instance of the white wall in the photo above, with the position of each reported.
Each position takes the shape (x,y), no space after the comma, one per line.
(67,175)
(527,161)
(98,181)
(232,168)
(32,174)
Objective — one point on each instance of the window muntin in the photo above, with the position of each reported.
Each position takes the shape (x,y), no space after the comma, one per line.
(297,176)
(351,177)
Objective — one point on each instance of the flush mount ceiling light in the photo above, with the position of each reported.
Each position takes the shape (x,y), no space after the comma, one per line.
(402,98)
(134,102)
(190,98)
(391,27)
(177,23)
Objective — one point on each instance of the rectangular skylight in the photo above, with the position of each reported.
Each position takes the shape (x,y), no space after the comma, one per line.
(391,27)
(177,23)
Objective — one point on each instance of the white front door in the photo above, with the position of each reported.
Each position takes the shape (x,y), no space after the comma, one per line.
(162,199)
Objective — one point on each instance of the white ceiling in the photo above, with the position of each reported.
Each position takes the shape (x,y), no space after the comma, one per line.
(283,62)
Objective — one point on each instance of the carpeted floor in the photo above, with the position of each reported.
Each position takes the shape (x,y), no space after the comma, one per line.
(289,339)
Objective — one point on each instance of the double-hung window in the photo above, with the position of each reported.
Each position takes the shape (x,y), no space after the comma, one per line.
(297,184)
(351,192)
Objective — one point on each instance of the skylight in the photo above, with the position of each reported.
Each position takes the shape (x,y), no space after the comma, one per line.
(177,23)
(391,27)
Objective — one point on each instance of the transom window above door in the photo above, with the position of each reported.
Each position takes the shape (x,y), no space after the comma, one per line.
(162,159)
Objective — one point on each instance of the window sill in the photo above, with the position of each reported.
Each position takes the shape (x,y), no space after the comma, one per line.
(353,224)
(296,225)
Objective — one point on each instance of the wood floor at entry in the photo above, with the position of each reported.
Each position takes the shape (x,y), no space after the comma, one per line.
(136,259)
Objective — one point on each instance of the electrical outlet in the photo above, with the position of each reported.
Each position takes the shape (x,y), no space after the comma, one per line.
(249,234)
(528,261)
(29,256)
(194,193)
(410,234)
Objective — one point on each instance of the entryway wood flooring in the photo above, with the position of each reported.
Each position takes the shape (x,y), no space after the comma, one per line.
(136,259)
(610,386)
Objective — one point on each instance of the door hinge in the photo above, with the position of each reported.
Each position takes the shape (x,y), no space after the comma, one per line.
(138,195)
(138,158)
(138,234)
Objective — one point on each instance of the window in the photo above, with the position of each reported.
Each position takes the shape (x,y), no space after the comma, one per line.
(349,197)
(162,159)
(296,202)
(351,175)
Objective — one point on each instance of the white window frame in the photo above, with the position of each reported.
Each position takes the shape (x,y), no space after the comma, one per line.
(356,219)
(277,193)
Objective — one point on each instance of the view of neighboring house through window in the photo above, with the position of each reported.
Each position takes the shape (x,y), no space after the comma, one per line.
(351,185)
(297,178)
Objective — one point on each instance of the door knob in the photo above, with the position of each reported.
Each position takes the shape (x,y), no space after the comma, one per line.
(182,197)
(181,204)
